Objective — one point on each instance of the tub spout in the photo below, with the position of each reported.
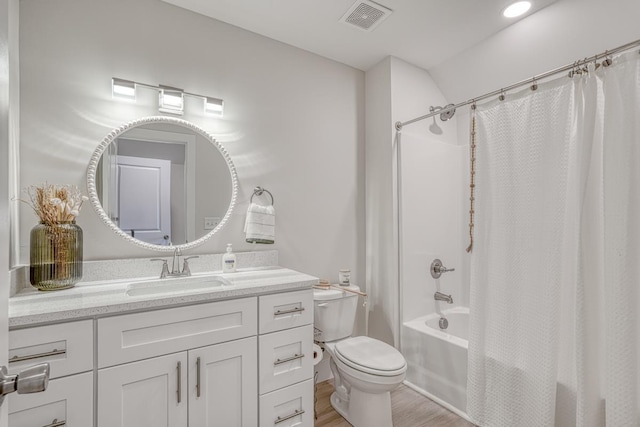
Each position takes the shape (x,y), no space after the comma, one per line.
(439,296)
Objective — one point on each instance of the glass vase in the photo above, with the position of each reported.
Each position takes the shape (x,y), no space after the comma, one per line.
(55,256)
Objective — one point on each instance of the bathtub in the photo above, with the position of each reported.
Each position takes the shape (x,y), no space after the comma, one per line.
(437,359)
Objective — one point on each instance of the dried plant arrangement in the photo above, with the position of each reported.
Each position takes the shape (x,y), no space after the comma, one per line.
(56,243)
(55,204)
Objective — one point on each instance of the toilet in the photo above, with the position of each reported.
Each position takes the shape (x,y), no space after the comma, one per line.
(365,370)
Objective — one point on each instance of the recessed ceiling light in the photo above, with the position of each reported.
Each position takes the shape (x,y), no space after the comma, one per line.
(516,9)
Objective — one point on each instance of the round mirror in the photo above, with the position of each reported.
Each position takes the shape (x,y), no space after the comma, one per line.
(162,183)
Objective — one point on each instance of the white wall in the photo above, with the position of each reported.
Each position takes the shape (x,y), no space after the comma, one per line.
(381,249)
(294,122)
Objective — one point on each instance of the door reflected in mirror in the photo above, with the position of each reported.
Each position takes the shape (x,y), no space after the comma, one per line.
(163,182)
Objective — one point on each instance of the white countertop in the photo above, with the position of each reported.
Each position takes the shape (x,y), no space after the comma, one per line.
(94,299)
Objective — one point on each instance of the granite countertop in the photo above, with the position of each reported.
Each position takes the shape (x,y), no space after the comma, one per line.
(109,297)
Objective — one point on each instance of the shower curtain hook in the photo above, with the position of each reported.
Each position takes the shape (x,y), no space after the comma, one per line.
(534,86)
(607,62)
(501,97)
(576,67)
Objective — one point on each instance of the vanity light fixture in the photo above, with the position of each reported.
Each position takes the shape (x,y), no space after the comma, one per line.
(516,9)
(213,106)
(123,89)
(170,99)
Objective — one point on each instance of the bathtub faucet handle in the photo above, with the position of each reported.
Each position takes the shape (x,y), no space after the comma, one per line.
(437,269)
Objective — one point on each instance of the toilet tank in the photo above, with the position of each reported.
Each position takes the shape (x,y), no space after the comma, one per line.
(334,312)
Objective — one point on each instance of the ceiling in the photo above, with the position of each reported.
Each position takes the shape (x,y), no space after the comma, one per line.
(422,32)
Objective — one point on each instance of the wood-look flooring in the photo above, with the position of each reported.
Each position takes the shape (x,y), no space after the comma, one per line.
(409,409)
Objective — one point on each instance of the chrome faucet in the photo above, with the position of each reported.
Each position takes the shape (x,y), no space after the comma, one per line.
(439,296)
(175,265)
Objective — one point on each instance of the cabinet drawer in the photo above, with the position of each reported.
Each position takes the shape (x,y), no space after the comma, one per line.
(66,402)
(286,357)
(286,310)
(287,407)
(139,336)
(67,347)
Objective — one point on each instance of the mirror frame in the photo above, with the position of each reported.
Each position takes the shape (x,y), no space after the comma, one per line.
(113,135)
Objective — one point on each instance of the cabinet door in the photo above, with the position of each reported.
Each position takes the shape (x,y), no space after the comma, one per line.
(67,401)
(149,393)
(223,385)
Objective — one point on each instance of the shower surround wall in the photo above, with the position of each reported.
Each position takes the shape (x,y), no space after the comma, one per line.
(429,223)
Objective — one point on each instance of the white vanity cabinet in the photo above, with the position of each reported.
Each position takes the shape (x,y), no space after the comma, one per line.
(164,368)
(68,400)
(242,362)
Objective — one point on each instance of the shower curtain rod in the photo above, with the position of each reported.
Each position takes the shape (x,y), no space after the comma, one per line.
(531,80)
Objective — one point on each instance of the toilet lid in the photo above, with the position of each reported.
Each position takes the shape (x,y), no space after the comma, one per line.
(371,356)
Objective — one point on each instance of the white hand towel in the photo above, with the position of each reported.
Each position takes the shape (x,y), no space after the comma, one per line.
(260,225)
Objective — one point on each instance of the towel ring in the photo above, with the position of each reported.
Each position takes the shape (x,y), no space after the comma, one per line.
(258,191)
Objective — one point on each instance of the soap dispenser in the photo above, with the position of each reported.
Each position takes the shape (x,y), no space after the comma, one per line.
(229,260)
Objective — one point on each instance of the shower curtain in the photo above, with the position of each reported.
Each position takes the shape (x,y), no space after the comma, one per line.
(555,268)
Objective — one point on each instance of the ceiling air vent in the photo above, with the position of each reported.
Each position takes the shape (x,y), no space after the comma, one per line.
(365,15)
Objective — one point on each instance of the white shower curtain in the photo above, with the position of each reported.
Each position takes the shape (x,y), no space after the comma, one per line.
(555,267)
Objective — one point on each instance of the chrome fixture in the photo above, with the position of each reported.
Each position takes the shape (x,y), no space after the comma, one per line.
(175,265)
(569,67)
(443,323)
(30,380)
(439,296)
(437,269)
(449,111)
(170,99)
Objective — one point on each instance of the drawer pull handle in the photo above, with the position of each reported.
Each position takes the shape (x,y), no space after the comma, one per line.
(54,352)
(179,368)
(198,377)
(288,417)
(288,359)
(293,310)
(56,423)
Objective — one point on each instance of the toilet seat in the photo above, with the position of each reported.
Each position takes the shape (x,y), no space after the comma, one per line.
(370,356)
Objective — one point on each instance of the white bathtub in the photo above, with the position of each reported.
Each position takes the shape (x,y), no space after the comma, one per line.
(437,359)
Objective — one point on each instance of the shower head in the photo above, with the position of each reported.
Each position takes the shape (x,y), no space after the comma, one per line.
(434,128)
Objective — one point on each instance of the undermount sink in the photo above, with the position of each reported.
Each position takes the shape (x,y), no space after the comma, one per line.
(178,284)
